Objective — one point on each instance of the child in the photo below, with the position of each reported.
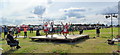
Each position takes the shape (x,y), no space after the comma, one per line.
(65,29)
(58,29)
(51,30)
(45,28)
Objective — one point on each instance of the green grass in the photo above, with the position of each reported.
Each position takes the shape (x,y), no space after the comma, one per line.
(97,45)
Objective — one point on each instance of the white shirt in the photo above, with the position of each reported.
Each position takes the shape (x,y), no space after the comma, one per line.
(11,29)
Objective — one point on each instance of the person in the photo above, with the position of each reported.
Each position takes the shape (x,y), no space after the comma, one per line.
(5,31)
(40,28)
(65,30)
(58,29)
(51,30)
(11,41)
(98,31)
(81,31)
(45,29)
(25,32)
(16,32)
(31,29)
(71,29)
(0,32)
(37,32)
(12,29)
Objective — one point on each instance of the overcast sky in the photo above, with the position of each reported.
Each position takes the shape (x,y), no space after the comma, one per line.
(15,12)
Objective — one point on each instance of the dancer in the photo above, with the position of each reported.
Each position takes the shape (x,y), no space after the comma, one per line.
(45,28)
(71,29)
(58,29)
(65,29)
(51,30)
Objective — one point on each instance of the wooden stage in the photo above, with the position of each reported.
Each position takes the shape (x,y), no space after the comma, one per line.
(56,37)
(19,37)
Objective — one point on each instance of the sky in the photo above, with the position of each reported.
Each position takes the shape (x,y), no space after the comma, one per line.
(17,12)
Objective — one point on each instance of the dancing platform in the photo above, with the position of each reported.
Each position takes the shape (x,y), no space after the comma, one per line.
(19,37)
(56,37)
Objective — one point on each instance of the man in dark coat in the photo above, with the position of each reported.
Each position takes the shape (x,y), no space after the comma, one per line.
(37,32)
(11,41)
(98,31)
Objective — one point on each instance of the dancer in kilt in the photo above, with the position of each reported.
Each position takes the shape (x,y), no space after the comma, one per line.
(59,29)
(45,28)
(51,29)
(65,29)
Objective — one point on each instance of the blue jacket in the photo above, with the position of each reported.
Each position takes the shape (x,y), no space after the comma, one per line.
(5,29)
(0,29)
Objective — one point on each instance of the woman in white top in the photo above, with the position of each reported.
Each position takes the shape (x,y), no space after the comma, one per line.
(51,29)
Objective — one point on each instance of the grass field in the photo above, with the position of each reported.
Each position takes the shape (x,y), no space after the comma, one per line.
(97,45)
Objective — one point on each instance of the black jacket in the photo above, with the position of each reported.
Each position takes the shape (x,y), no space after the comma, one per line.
(10,37)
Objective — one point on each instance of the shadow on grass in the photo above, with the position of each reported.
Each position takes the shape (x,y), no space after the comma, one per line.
(57,42)
(9,52)
(105,37)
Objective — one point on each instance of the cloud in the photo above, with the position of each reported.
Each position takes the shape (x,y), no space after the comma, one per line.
(109,10)
(21,12)
(89,19)
(94,19)
(74,12)
(39,10)
(87,1)
(50,1)
(71,9)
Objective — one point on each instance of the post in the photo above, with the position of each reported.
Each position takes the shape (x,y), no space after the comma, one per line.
(111,27)
(119,23)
